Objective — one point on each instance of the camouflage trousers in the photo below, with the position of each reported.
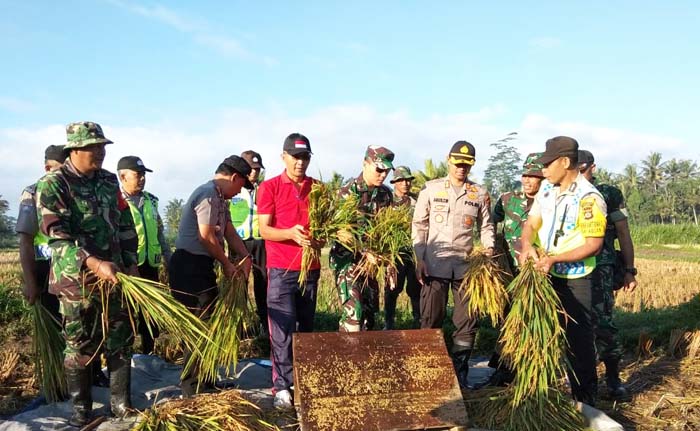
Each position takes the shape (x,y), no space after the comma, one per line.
(359,299)
(87,332)
(607,344)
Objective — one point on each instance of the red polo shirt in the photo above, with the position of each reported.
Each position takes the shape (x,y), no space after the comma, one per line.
(288,206)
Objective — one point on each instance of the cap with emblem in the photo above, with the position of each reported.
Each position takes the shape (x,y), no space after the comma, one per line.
(253,159)
(401,173)
(55,152)
(531,167)
(296,143)
(132,163)
(559,146)
(380,156)
(241,167)
(462,152)
(84,133)
(585,159)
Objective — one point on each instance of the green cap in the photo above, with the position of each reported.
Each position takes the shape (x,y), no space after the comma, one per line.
(401,173)
(84,133)
(531,167)
(380,156)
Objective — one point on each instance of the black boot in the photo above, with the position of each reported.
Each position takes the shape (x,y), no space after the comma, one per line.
(98,377)
(616,390)
(80,390)
(460,360)
(119,367)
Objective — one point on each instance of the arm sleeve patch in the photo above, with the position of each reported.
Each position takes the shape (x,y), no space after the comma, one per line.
(591,218)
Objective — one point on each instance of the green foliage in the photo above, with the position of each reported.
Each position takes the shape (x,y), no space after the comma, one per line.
(430,172)
(504,167)
(659,234)
(173,212)
(7,226)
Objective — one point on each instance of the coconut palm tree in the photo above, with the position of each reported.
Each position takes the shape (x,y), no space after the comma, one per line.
(431,172)
(652,172)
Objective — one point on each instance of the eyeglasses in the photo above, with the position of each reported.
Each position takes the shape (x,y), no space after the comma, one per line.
(382,171)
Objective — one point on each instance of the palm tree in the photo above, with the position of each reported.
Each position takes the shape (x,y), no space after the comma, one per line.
(431,172)
(652,171)
(629,180)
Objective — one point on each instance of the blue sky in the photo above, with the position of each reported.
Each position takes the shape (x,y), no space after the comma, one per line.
(185,84)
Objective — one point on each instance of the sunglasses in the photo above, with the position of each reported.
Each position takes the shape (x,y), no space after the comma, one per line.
(382,171)
(302,156)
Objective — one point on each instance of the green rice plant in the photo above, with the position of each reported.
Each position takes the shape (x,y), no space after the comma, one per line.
(48,344)
(532,339)
(225,328)
(224,411)
(552,411)
(482,287)
(159,308)
(386,237)
(331,219)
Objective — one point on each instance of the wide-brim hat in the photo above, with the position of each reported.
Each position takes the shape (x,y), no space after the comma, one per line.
(84,133)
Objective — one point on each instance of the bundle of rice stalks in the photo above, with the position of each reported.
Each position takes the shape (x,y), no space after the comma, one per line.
(553,410)
(385,238)
(220,347)
(482,287)
(48,345)
(532,339)
(225,411)
(160,309)
(331,219)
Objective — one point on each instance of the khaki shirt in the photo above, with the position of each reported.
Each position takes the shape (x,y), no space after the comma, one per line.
(443,226)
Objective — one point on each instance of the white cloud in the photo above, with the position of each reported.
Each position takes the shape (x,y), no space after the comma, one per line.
(14,105)
(544,42)
(184,154)
(199,29)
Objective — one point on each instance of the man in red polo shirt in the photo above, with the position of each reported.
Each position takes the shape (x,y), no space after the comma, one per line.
(283,211)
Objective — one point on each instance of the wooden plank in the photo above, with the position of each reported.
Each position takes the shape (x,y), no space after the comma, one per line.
(377,380)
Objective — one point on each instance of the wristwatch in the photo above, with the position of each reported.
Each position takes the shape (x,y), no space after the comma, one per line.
(632,270)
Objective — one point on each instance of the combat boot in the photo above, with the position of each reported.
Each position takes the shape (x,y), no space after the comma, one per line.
(460,360)
(119,368)
(616,390)
(80,389)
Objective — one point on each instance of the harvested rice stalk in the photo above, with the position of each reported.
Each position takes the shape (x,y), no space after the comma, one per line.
(331,219)
(224,411)
(159,309)
(224,330)
(387,235)
(532,339)
(48,344)
(553,410)
(482,288)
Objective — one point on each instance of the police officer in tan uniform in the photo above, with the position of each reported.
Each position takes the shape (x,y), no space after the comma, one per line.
(446,214)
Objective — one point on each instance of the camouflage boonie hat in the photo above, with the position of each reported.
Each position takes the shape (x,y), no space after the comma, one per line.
(401,173)
(84,133)
(531,167)
(380,156)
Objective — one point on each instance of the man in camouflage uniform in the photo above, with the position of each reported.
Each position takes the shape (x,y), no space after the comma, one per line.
(359,298)
(92,237)
(153,250)
(447,212)
(607,344)
(405,270)
(511,209)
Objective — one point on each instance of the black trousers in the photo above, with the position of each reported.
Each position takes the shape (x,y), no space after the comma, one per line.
(147,339)
(48,300)
(193,283)
(576,298)
(433,309)
(256,248)
(405,274)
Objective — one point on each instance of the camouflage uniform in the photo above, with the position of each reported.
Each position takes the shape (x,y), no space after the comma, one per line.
(83,217)
(359,299)
(608,346)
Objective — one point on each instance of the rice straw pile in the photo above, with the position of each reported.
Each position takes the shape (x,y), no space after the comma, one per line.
(482,288)
(225,411)
(331,219)
(220,347)
(48,344)
(533,344)
(387,234)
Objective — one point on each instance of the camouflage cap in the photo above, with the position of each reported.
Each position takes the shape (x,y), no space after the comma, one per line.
(531,167)
(84,133)
(380,156)
(401,173)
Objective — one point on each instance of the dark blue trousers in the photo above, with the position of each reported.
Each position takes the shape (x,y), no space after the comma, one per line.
(290,308)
